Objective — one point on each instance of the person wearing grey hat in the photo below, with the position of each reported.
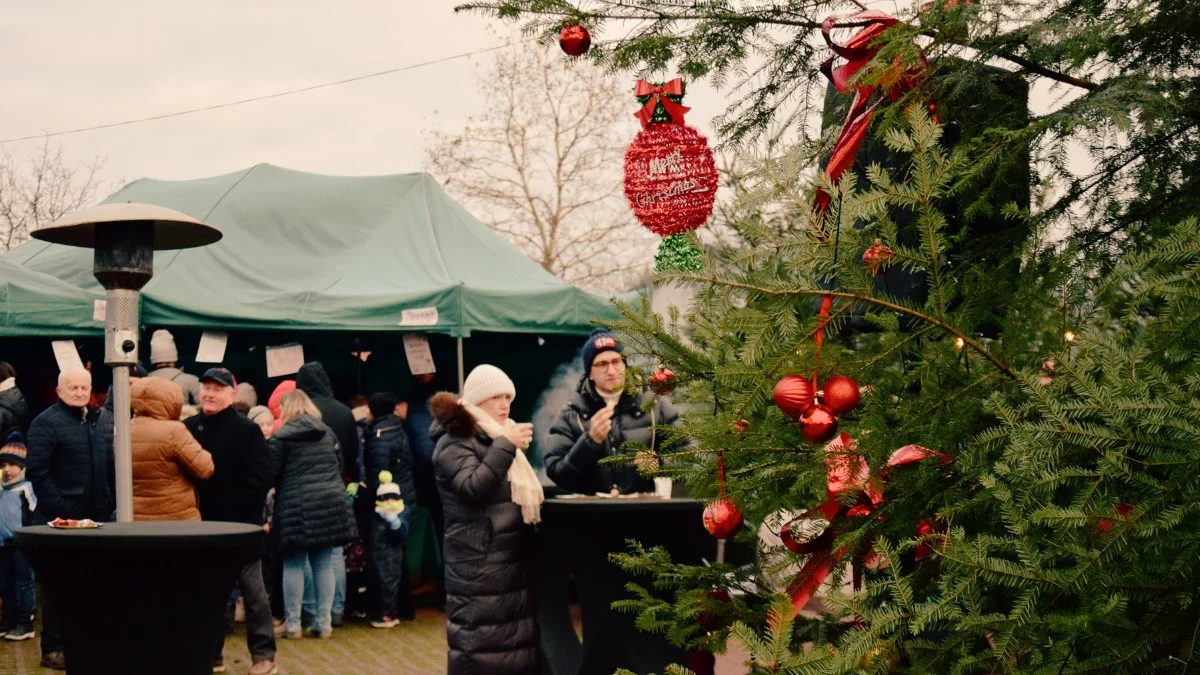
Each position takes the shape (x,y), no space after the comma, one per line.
(163,356)
(261,415)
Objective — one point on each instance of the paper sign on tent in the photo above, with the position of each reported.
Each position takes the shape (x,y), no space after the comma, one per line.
(284,360)
(423,316)
(99,310)
(67,355)
(212,346)
(420,356)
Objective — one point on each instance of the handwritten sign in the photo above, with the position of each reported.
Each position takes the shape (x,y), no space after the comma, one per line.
(284,360)
(66,355)
(99,310)
(423,316)
(212,346)
(420,356)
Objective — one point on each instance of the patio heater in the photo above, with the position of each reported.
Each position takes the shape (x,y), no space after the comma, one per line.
(124,238)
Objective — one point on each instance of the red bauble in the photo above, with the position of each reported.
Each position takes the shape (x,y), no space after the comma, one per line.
(818,424)
(793,395)
(575,40)
(841,394)
(707,621)
(722,519)
(662,381)
(877,256)
(741,427)
(670,178)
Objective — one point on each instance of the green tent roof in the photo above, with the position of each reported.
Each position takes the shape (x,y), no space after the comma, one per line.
(308,251)
(38,305)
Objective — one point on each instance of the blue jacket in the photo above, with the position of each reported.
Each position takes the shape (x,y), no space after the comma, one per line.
(70,463)
(17,505)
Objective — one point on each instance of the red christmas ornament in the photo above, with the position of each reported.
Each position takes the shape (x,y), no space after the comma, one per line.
(877,256)
(722,519)
(818,424)
(741,427)
(662,382)
(841,394)
(793,395)
(575,40)
(670,178)
(708,621)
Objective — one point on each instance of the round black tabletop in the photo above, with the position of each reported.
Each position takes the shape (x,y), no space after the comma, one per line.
(143,535)
(610,504)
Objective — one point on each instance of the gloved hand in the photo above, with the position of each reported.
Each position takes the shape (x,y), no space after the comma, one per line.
(352,490)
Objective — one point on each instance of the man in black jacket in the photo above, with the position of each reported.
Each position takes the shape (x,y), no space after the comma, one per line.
(70,464)
(314,381)
(243,472)
(387,450)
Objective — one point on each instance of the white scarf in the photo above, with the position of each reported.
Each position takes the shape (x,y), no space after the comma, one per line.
(526,488)
(8,384)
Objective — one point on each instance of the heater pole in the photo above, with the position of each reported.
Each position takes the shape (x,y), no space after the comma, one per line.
(122,445)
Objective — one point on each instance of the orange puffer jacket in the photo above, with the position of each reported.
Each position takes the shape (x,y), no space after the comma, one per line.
(166,459)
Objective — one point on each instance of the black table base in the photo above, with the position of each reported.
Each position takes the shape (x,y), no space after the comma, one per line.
(145,597)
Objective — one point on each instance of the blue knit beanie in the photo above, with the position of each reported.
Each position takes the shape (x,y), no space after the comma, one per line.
(599,341)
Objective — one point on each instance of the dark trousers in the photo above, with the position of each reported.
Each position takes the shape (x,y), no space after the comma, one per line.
(16,587)
(51,628)
(389,578)
(260,630)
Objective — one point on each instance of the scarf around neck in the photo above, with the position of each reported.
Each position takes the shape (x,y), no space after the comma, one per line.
(526,488)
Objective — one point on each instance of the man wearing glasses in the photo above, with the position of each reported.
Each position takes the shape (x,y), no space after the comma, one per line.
(603,419)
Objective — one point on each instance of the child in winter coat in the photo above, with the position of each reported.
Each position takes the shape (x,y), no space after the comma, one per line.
(387,545)
(17,503)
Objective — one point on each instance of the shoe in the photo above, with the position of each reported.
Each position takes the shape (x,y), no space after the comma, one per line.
(219,666)
(339,620)
(23,631)
(54,661)
(320,634)
(288,634)
(384,622)
(264,668)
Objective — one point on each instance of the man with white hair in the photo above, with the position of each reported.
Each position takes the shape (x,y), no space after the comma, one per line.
(70,463)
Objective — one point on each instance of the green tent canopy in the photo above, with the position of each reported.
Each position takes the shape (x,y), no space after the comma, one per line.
(306,251)
(39,305)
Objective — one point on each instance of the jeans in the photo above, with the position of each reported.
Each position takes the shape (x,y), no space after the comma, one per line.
(260,629)
(16,587)
(322,563)
(339,587)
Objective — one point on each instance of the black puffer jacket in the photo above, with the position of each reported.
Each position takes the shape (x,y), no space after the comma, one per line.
(572,456)
(314,381)
(312,509)
(14,414)
(387,450)
(490,624)
(70,463)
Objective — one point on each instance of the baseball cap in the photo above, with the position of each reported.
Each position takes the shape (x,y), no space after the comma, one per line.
(221,376)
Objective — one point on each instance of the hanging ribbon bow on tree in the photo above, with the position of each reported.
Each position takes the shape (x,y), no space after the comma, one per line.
(660,94)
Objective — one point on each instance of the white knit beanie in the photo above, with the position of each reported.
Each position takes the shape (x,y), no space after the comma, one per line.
(162,348)
(485,382)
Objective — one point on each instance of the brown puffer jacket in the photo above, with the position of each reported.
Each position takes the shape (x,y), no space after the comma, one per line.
(166,459)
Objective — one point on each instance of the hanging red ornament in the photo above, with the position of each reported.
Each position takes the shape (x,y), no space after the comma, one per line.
(818,424)
(793,395)
(877,256)
(722,518)
(662,381)
(575,40)
(840,394)
(741,426)
(707,621)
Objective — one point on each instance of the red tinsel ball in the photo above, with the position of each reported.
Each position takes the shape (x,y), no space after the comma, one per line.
(722,519)
(575,40)
(670,178)
(877,256)
(662,381)
(841,394)
(793,395)
(818,424)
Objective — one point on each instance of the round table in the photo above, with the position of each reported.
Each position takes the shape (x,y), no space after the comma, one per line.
(143,597)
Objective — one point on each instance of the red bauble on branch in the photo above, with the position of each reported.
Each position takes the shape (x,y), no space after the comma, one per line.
(670,178)
(840,394)
(662,382)
(818,424)
(722,518)
(793,395)
(877,256)
(575,40)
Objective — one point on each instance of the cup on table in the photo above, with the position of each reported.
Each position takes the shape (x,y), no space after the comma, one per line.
(662,487)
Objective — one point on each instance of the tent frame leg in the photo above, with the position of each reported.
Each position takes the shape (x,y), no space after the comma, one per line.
(461,374)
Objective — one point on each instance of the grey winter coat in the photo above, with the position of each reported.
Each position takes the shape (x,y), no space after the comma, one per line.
(190,384)
(490,624)
(572,456)
(312,509)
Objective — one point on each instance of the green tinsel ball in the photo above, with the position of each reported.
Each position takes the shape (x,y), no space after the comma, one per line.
(678,253)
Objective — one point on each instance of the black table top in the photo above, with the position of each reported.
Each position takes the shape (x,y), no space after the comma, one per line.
(608,504)
(145,534)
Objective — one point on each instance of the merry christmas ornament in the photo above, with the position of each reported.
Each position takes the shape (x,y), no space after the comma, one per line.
(793,395)
(722,518)
(840,394)
(575,40)
(818,424)
(662,381)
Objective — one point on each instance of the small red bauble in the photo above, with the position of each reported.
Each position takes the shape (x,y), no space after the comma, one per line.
(662,381)
(575,40)
(707,621)
(741,427)
(793,395)
(722,519)
(818,424)
(877,256)
(670,178)
(841,394)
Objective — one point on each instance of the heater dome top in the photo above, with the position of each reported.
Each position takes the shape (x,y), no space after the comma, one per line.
(172,229)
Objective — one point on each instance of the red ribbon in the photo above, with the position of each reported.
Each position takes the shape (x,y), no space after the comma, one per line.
(846,471)
(658,94)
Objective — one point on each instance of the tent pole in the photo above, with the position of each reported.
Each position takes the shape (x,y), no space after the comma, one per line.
(461,375)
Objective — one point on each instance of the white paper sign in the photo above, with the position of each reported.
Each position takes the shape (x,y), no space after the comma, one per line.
(212,346)
(420,357)
(284,360)
(99,310)
(424,316)
(67,355)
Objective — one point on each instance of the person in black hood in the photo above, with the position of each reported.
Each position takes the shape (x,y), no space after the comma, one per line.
(314,381)
(14,413)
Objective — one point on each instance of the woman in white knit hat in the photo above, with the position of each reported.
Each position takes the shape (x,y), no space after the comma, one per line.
(491,497)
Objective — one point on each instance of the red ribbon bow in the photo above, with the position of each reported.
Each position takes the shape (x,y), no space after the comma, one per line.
(659,94)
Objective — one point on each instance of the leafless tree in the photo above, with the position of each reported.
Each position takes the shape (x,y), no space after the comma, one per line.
(38,188)
(543,166)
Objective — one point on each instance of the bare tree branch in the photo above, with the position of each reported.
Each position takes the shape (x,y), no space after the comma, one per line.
(36,190)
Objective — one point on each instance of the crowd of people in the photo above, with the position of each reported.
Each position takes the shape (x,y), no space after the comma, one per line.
(316,479)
